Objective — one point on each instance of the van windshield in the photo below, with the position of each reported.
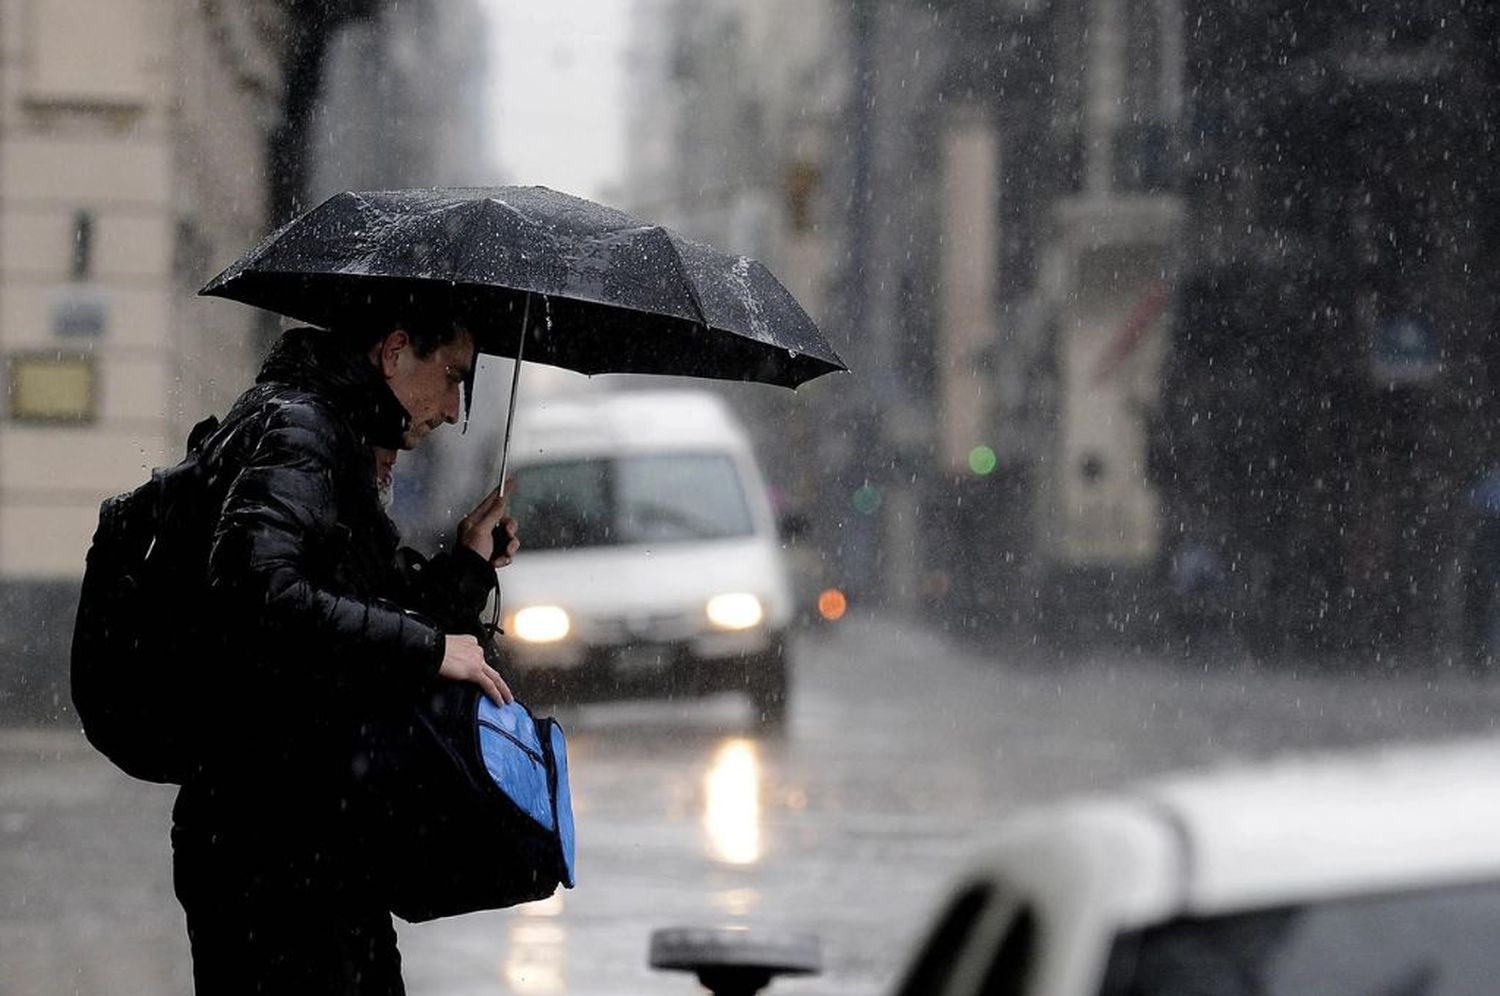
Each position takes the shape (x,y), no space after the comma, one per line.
(652,498)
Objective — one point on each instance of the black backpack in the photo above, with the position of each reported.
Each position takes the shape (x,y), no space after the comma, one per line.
(144,585)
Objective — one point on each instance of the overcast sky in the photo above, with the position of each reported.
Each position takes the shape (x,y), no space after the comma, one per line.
(557,78)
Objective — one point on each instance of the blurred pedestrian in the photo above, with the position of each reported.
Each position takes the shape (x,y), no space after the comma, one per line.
(320,638)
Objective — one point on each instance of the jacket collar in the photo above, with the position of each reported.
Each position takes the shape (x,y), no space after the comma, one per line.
(321,362)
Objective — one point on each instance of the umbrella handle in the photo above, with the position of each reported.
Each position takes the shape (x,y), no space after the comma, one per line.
(515,383)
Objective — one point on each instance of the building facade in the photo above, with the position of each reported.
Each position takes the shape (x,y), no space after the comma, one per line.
(145,144)
(132,151)
(994,232)
(1333,384)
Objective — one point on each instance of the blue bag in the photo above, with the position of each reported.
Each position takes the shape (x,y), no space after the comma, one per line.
(478,813)
(527,759)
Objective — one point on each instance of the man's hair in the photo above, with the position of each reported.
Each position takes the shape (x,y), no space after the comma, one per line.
(427,334)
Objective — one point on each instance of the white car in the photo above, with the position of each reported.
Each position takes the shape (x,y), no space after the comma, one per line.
(1376,876)
(651,562)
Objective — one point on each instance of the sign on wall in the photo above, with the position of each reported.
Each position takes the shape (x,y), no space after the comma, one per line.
(53,387)
(79,312)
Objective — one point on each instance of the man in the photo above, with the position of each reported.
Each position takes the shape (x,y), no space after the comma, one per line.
(311,653)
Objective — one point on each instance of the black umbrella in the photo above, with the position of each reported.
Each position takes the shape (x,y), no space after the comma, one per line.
(614,294)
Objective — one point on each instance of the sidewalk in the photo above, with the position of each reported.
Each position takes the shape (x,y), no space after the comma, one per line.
(87,905)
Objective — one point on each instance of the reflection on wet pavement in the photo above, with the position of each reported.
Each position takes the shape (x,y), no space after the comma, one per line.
(731,805)
(536,961)
(901,754)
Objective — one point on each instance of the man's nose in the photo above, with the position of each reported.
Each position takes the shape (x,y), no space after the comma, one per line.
(452,407)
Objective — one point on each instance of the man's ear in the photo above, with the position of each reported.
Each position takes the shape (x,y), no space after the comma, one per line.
(389,348)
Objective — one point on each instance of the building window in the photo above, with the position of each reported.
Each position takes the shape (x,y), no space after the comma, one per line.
(82,267)
(800,184)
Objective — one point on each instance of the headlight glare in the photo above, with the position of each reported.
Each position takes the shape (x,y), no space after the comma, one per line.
(542,624)
(738,610)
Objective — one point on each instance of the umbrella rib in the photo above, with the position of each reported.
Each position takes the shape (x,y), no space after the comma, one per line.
(687,280)
(468,240)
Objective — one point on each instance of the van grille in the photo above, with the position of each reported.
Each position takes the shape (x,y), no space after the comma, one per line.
(642,627)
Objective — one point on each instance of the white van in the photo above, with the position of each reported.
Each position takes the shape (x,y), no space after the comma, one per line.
(650,561)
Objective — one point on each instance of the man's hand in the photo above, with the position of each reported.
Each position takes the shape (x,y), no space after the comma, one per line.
(477,530)
(463,660)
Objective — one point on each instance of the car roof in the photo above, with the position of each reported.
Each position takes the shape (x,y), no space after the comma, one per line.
(1389,820)
(621,421)
(1250,838)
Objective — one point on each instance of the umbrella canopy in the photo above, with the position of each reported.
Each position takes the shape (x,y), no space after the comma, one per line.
(611,294)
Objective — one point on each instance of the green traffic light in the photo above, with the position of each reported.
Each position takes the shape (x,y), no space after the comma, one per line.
(982,460)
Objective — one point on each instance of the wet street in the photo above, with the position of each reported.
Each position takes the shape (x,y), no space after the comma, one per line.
(901,752)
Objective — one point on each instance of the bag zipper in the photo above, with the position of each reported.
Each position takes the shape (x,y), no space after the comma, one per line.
(515,740)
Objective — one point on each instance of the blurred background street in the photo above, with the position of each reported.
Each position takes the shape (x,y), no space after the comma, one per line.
(1171,437)
(902,751)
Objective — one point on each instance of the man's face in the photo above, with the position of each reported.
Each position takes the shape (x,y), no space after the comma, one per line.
(430,388)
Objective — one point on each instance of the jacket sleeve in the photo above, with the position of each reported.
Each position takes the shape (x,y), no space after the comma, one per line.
(277,521)
(452,588)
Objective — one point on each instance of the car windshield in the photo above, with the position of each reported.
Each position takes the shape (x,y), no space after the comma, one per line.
(1433,943)
(638,499)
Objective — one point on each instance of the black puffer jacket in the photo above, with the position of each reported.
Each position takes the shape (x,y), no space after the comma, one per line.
(324,637)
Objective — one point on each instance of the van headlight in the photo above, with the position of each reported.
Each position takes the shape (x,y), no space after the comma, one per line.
(738,610)
(542,624)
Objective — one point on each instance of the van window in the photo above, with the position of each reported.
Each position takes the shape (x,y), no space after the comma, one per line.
(653,498)
(940,954)
(1436,942)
